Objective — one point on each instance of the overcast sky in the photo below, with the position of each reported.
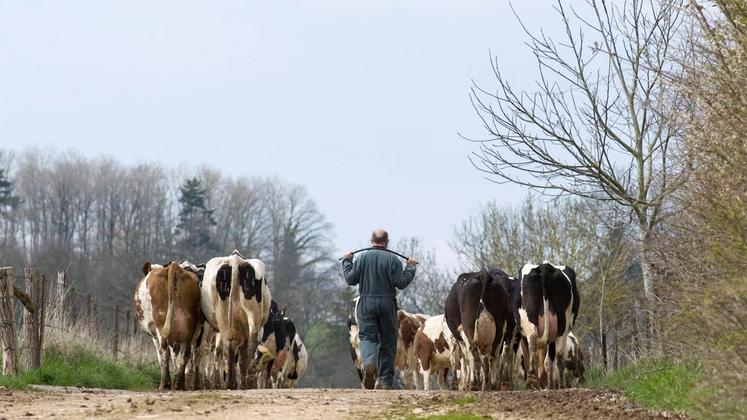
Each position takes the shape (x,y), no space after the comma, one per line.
(361,101)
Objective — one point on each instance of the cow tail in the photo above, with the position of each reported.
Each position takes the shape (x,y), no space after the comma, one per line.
(171,291)
(231,295)
(544,278)
(480,308)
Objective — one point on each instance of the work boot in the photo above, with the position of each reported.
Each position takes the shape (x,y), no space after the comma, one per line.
(382,385)
(369,376)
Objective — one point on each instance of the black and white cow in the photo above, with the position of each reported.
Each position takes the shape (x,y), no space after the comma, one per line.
(275,336)
(355,342)
(546,312)
(236,302)
(478,314)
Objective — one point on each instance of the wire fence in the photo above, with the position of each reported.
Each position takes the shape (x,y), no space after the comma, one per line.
(35,309)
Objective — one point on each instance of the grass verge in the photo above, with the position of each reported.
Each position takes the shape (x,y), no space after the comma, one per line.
(661,384)
(77,365)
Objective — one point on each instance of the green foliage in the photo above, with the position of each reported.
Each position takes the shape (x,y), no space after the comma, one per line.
(654,383)
(7,198)
(77,366)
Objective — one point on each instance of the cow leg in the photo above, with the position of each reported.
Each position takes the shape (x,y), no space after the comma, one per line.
(542,360)
(164,356)
(442,378)
(552,381)
(560,344)
(251,368)
(534,368)
(181,355)
(244,365)
(229,353)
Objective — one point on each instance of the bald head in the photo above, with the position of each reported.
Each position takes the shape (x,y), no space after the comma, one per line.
(380,237)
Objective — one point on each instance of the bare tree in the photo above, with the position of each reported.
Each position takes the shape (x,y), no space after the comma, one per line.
(428,290)
(603,122)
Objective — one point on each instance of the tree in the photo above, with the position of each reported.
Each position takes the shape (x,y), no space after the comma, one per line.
(427,292)
(8,201)
(603,122)
(195,222)
(565,231)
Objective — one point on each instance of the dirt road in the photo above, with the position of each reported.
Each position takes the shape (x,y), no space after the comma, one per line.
(308,404)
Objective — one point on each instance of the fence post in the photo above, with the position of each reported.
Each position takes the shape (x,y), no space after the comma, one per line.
(95,319)
(127,329)
(43,314)
(7,320)
(74,311)
(115,346)
(33,320)
(60,298)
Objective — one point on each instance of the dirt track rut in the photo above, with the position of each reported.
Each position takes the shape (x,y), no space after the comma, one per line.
(311,404)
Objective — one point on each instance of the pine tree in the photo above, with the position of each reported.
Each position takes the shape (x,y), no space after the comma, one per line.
(195,222)
(8,201)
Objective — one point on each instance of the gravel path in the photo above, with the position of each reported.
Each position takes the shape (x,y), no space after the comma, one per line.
(323,404)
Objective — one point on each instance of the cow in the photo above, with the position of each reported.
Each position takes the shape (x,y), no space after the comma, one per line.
(547,310)
(167,307)
(355,342)
(574,361)
(478,314)
(294,364)
(432,351)
(275,336)
(405,360)
(236,302)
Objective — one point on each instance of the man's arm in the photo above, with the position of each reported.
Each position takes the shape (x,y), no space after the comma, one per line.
(350,270)
(403,278)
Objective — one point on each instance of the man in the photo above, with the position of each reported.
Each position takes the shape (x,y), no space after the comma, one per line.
(377,273)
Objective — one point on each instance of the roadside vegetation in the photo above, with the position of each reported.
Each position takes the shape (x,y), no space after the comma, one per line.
(78,365)
(661,384)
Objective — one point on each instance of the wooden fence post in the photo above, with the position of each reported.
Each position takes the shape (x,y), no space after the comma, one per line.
(7,321)
(32,320)
(74,310)
(115,345)
(60,299)
(127,329)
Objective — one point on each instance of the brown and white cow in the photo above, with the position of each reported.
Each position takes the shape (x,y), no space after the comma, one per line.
(432,351)
(236,302)
(406,361)
(547,310)
(167,306)
(478,314)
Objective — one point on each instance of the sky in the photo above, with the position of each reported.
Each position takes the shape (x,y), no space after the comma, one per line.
(361,101)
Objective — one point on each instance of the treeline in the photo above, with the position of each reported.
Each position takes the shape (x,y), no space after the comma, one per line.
(99,220)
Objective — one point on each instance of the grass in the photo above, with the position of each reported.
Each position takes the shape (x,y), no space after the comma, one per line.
(77,365)
(466,399)
(450,416)
(661,384)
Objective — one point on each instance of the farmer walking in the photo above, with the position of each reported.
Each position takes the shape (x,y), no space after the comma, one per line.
(377,272)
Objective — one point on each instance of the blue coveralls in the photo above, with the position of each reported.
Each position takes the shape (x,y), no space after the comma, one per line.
(377,273)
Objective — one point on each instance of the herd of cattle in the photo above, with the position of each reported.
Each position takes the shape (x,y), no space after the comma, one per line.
(218,324)
(497,332)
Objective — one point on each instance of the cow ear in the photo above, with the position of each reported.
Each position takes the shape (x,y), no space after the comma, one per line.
(146,268)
